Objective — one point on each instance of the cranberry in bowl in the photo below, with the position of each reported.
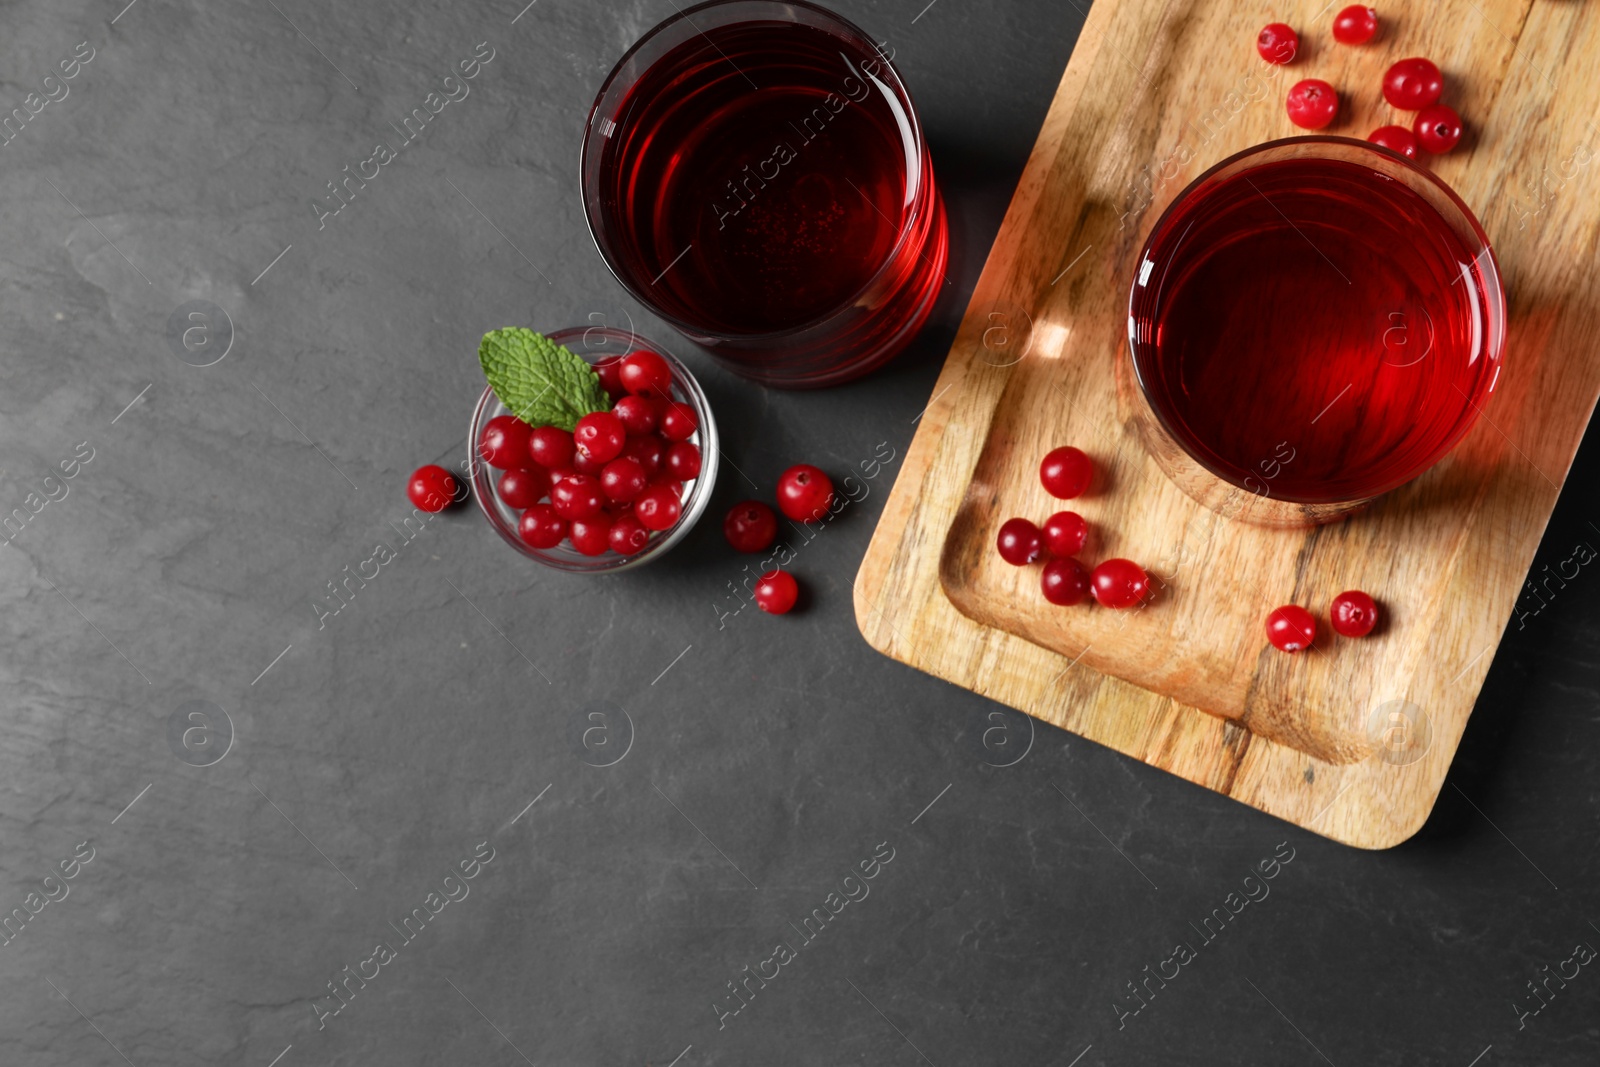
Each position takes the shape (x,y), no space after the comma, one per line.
(619,494)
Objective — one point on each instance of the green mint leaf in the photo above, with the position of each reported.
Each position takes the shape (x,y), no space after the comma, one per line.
(543,383)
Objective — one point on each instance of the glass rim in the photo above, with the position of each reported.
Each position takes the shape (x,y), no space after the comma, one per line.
(924,181)
(1494,311)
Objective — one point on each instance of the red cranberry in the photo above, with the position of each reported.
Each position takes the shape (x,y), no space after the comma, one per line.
(1291,628)
(628,536)
(1438,128)
(638,415)
(649,450)
(1277,43)
(578,497)
(591,536)
(610,372)
(683,460)
(623,478)
(1065,533)
(432,488)
(583,464)
(678,421)
(1413,84)
(524,489)
(776,592)
(1395,139)
(541,527)
(804,493)
(646,374)
(1019,542)
(551,447)
(1119,583)
(1353,613)
(658,507)
(1065,581)
(504,443)
(1355,25)
(1066,472)
(600,435)
(1312,104)
(750,526)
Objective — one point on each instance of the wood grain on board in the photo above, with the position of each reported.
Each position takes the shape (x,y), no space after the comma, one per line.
(1353,740)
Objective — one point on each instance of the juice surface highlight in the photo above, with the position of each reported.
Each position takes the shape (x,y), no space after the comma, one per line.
(757,177)
(1312,330)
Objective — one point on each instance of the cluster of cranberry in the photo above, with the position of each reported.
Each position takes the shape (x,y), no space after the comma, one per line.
(805,494)
(1292,628)
(1410,85)
(612,482)
(1115,583)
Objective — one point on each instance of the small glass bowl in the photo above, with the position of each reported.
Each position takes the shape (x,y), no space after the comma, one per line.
(596,343)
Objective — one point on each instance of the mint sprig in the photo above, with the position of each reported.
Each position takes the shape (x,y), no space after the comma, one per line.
(543,383)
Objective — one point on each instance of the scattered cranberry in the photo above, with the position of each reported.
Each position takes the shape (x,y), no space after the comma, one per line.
(776,592)
(650,450)
(683,460)
(1355,25)
(1066,472)
(432,488)
(551,447)
(578,497)
(610,372)
(542,527)
(623,478)
(1438,128)
(1395,139)
(1020,542)
(1065,581)
(591,536)
(1291,628)
(1413,84)
(750,526)
(804,493)
(628,536)
(524,489)
(1065,533)
(600,435)
(678,422)
(1312,104)
(658,507)
(1353,613)
(638,415)
(1277,43)
(1119,583)
(646,374)
(504,443)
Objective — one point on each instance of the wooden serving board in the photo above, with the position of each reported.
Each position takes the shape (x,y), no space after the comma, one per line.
(1353,739)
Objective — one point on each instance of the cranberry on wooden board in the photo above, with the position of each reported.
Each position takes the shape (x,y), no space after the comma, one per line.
(804,493)
(542,527)
(1065,533)
(1066,472)
(1412,84)
(1064,581)
(1019,542)
(750,526)
(1355,25)
(1119,583)
(1353,613)
(504,443)
(1277,43)
(432,488)
(1291,628)
(776,592)
(1396,139)
(1312,104)
(1438,128)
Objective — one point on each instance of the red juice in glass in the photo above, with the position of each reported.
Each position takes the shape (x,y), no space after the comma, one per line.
(755,173)
(1314,329)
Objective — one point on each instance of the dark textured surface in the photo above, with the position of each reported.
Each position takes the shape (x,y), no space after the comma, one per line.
(768,756)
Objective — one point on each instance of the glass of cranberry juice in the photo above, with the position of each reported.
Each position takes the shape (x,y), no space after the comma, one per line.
(1313,322)
(755,173)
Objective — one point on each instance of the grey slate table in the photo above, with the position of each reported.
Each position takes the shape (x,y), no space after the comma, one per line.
(369,764)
